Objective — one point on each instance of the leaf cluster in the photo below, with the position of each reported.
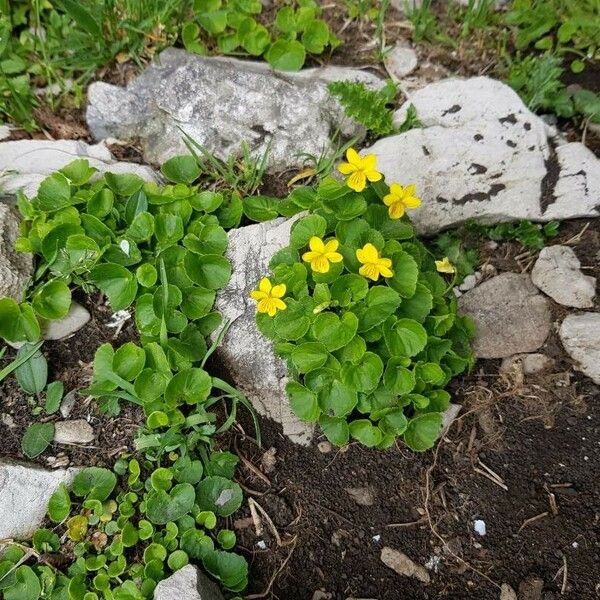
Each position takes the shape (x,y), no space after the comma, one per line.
(369,361)
(127,533)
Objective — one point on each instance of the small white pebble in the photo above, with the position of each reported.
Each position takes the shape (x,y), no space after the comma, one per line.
(261,544)
(586,458)
(376,538)
(479,527)
(575,545)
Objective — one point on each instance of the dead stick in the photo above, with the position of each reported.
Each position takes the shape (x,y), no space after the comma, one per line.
(532,520)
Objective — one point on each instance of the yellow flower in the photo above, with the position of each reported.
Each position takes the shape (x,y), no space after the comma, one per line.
(269,297)
(321,254)
(399,199)
(372,265)
(445,266)
(359,170)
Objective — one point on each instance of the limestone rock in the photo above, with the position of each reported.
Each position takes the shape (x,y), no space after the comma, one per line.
(580,336)
(530,364)
(24,494)
(222,103)
(15,267)
(403,565)
(557,273)
(246,355)
(400,62)
(25,163)
(188,583)
(507,593)
(363,496)
(449,416)
(510,315)
(76,431)
(482,154)
(76,318)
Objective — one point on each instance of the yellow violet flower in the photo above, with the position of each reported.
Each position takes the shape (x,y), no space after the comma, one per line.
(321,254)
(269,297)
(399,199)
(359,170)
(372,264)
(445,266)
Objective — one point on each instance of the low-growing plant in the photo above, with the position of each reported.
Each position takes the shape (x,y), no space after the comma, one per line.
(533,236)
(125,534)
(357,307)
(233,25)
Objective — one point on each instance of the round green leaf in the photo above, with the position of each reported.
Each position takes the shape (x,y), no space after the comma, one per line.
(337,399)
(26,586)
(335,430)
(305,228)
(218,495)
(406,273)
(364,375)
(53,300)
(365,432)
(397,378)
(117,282)
(334,332)
(423,431)
(37,438)
(210,271)
(32,375)
(162,506)
(309,356)
(129,361)
(181,169)
(94,483)
(303,401)
(405,338)
(190,386)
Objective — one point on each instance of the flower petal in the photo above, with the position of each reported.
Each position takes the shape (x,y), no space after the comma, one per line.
(264,306)
(370,271)
(316,244)
(396,189)
(370,253)
(410,190)
(390,199)
(258,295)
(353,157)
(331,246)
(386,271)
(357,181)
(278,291)
(320,264)
(396,210)
(369,162)
(384,262)
(265,285)
(279,304)
(346,168)
(373,175)
(310,256)
(412,202)
(334,257)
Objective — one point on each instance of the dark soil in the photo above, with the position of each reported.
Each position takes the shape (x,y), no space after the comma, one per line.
(70,361)
(539,434)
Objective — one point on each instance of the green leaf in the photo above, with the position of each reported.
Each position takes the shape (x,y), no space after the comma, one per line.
(423,431)
(53,194)
(168,229)
(406,273)
(257,41)
(397,378)
(219,495)
(146,275)
(32,375)
(197,302)
(53,300)
(82,17)
(162,506)
(337,399)
(196,544)
(365,432)
(54,396)
(303,401)
(315,36)
(405,338)
(124,184)
(305,228)
(37,438)
(129,361)
(26,587)
(286,55)
(59,505)
(117,282)
(349,289)
(336,430)
(261,208)
(309,356)
(213,22)
(229,568)
(285,20)
(94,483)
(364,375)
(190,386)
(333,332)
(78,171)
(181,169)
(380,302)
(209,271)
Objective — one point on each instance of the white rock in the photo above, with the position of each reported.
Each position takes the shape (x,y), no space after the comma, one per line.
(188,583)
(222,103)
(246,355)
(403,565)
(531,364)
(25,163)
(400,62)
(469,282)
(510,316)
(16,268)
(449,416)
(76,318)
(24,494)
(4,132)
(482,154)
(507,593)
(479,527)
(68,404)
(76,431)
(557,273)
(580,335)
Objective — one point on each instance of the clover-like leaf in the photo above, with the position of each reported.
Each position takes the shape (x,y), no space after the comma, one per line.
(162,506)
(219,495)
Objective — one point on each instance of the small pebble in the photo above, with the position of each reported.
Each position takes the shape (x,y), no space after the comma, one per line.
(324,447)
(479,527)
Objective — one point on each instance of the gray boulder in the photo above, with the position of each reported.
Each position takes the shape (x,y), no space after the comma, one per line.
(25,163)
(15,267)
(482,154)
(245,354)
(223,103)
(557,272)
(580,336)
(188,583)
(24,494)
(510,315)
